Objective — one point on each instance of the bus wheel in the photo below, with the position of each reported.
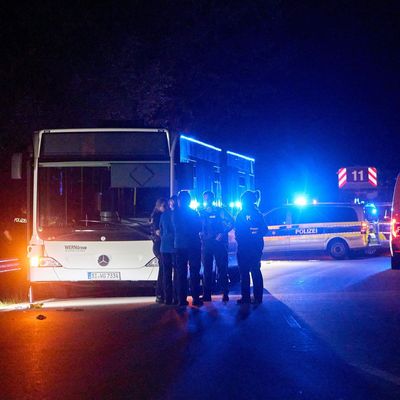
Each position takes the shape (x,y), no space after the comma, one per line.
(395,262)
(338,249)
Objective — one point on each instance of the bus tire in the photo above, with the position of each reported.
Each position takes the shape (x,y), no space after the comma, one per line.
(338,249)
(395,262)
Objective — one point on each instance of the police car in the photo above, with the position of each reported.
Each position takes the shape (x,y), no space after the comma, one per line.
(335,228)
(395,227)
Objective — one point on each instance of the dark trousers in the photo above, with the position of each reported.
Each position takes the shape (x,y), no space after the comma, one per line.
(191,256)
(160,278)
(170,277)
(219,250)
(249,260)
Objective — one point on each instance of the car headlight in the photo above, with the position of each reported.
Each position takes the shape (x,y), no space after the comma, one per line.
(153,263)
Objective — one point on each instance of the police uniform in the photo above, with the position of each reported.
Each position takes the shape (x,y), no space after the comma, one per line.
(168,257)
(250,228)
(187,227)
(216,223)
(155,226)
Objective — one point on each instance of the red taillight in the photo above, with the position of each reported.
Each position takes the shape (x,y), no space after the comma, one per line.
(364,227)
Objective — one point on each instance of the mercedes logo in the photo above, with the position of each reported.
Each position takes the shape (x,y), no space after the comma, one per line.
(103,260)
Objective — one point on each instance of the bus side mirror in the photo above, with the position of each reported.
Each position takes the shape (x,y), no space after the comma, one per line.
(16,166)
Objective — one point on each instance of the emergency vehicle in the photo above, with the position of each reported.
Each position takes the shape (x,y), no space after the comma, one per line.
(395,227)
(335,228)
(379,214)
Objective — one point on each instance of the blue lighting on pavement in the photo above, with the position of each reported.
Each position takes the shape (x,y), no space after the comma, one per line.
(189,139)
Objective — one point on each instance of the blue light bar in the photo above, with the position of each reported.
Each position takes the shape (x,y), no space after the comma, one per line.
(189,139)
(240,156)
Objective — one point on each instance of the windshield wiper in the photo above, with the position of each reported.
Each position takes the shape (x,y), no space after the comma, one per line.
(136,225)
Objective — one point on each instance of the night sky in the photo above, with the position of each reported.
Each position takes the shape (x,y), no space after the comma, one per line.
(304,87)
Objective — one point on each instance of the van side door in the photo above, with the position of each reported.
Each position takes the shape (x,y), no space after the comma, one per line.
(306,230)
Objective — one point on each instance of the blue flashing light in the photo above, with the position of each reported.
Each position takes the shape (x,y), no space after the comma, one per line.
(240,156)
(194,204)
(314,201)
(232,204)
(374,211)
(238,204)
(189,139)
(300,201)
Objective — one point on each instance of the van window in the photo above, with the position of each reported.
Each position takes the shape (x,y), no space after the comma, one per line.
(315,215)
(276,217)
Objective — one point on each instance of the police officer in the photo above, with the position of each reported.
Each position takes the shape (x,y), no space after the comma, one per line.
(216,223)
(250,228)
(187,227)
(159,208)
(168,257)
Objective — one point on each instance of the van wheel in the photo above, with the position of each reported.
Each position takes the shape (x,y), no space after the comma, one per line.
(338,249)
(395,262)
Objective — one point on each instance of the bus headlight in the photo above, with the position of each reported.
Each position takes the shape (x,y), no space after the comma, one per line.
(36,261)
(153,263)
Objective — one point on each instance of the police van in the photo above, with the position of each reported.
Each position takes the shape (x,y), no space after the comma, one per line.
(379,214)
(335,228)
(395,227)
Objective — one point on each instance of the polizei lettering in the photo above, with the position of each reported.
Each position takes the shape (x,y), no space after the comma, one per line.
(306,231)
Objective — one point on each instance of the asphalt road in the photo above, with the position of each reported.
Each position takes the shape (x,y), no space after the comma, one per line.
(327,330)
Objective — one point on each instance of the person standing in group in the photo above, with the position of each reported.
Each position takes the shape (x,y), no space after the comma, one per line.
(168,258)
(187,227)
(250,229)
(216,223)
(173,204)
(159,209)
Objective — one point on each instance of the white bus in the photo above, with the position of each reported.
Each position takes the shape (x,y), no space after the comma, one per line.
(94,189)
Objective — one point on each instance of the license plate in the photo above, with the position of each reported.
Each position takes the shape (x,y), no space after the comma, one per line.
(104,276)
(372,235)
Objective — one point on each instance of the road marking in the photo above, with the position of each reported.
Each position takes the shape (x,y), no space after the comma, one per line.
(9,270)
(387,376)
(8,265)
(292,322)
(14,307)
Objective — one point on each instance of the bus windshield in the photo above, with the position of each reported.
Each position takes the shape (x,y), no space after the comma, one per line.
(106,146)
(82,203)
